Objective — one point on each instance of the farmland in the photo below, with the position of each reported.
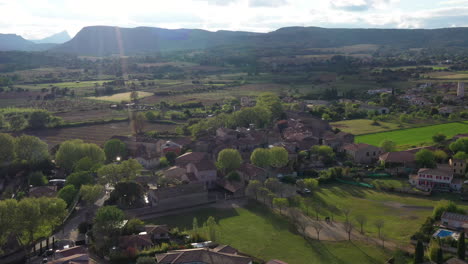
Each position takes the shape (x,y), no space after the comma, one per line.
(413,137)
(97,134)
(256,231)
(117,98)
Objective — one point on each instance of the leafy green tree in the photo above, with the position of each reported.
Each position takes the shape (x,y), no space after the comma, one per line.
(127,195)
(440,156)
(87,164)
(133,226)
(324,153)
(460,145)
(17,122)
(278,157)
(39,119)
(91,193)
(114,173)
(271,102)
(7,151)
(134,96)
(311,184)
(425,158)
(229,159)
(445,206)
(108,220)
(68,194)
(80,178)
(438,138)
(171,157)
(461,247)
(31,149)
(260,157)
(195,225)
(71,151)
(388,146)
(280,203)
(211,225)
(461,155)
(37,178)
(419,253)
(2,121)
(146,260)
(433,250)
(115,148)
(253,188)
(233,176)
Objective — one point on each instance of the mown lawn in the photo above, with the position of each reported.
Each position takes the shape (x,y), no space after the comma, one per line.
(364,126)
(413,137)
(256,231)
(403,214)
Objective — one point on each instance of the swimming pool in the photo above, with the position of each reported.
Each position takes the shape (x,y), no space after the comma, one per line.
(443,233)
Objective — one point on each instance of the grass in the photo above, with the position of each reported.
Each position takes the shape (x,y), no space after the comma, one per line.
(412,137)
(258,232)
(364,126)
(403,214)
(117,98)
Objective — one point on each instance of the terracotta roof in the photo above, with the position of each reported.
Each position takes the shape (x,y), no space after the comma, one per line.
(201,255)
(232,186)
(205,165)
(438,172)
(179,190)
(225,249)
(190,157)
(454,216)
(251,170)
(357,146)
(78,258)
(398,157)
(136,241)
(156,229)
(275,261)
(455,261)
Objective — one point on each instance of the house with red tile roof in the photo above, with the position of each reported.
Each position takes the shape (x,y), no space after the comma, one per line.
(362,153)
(202,256)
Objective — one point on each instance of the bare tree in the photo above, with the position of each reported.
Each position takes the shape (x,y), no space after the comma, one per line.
(379,223)
(316,208)
(362,220)
(346,212)
(348,228)
(318,227)
(299,220)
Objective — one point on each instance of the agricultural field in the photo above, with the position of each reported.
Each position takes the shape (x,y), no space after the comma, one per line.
(462,75)
(364,126)
(258,232)
(403,214)
(97,134)
(92,115)
(117,98)
(413,137)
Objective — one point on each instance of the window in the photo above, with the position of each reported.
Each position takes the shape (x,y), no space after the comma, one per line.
(367,154)
(374,153)
(455,164)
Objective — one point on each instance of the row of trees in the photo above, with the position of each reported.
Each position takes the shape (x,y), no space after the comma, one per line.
(26,149)
(30,219)
(17,121)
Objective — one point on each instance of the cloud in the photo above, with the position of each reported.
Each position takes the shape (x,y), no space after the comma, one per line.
(267,3)
(219,2)
(360,5)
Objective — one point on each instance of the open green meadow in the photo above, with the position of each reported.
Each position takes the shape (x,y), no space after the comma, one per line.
(403,214)
(413,137)
(364,126)
(258,232)
(117,98)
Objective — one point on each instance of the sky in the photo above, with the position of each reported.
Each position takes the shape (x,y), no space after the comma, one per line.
(34,19)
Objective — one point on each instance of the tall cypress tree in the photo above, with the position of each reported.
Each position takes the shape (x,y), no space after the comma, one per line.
(419,253)
(461,247)
(440,256)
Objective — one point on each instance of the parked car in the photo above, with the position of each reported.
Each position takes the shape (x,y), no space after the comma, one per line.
(304,191)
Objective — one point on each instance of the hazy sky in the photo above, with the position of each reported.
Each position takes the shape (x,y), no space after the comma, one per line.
(40,18)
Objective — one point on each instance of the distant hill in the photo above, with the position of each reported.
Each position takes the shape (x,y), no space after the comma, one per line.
(104,40)
(57,38)
(10,42)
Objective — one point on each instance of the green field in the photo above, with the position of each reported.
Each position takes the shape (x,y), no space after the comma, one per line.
(262,234)
(364,126)
(403,214)
(413,137)
(117,98)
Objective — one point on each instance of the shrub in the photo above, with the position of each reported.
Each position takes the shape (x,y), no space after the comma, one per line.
(37,178)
